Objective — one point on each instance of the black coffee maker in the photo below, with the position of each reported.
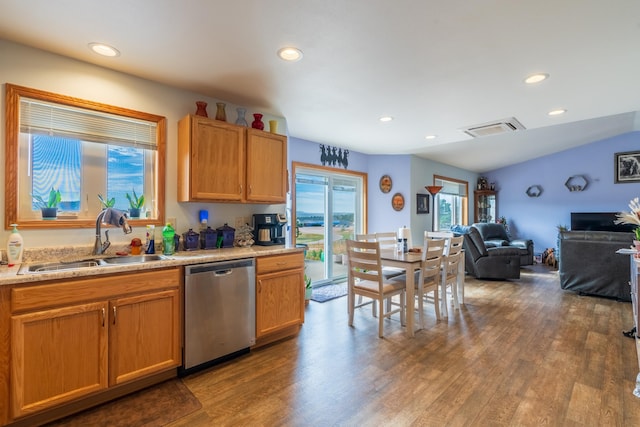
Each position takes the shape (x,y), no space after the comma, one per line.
(269,229)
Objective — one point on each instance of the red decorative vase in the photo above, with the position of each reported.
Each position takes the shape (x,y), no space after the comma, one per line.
(202,109)
(257,123)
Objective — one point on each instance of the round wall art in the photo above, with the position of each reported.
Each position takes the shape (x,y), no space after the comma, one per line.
(397,201)
(385,183)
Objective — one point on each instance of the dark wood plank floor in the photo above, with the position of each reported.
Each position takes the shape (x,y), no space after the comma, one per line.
(518,353)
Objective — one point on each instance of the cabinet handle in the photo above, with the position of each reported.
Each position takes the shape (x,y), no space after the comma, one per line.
(259,286)
(104,315)
(250,189)
(240,189)
(281,263)
(114,314)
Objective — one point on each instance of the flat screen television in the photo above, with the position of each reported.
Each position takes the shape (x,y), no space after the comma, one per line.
(598,221)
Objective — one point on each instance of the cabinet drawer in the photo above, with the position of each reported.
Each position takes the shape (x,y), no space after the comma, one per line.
(60,293)
(273,263)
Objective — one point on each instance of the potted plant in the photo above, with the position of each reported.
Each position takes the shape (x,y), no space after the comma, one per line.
(50,206)
(307,289)
(632,217)
(135,204)
(106,203)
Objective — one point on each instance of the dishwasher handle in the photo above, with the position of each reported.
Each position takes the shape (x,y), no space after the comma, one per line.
(220,273)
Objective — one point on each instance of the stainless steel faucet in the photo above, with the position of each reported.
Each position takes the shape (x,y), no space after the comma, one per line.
(115,217)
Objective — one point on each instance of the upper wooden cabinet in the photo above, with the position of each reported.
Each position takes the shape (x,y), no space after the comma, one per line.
(223,162)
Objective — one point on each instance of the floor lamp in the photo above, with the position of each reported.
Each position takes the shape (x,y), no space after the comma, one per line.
(433,190)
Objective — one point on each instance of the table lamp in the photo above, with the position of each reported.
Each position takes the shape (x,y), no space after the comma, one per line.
(433,190)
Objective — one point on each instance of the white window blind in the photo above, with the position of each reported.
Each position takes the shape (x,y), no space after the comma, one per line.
(41,117)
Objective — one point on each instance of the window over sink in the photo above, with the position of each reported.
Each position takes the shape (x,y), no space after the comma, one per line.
(83,149)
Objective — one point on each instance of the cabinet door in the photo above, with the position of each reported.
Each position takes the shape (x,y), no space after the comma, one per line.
(266,167)
(279,301)
(216,160)
(144,335)
(485,206)
(57,355)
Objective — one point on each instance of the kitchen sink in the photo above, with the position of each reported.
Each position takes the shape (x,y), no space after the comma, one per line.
(135,259)
(57,266)
(49,267)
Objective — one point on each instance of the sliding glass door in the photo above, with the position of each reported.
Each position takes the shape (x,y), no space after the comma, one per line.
(328,210)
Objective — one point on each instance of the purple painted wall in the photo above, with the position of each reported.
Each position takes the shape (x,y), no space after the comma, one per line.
(537,217)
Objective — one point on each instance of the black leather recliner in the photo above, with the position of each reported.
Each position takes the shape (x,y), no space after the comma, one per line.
(501,262)
(495,235)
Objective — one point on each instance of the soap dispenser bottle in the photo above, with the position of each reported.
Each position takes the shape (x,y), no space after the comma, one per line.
(14,246)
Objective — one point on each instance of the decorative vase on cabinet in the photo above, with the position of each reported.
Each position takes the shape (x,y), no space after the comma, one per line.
(257,122)
(201,109)
(221,114)
(241,121)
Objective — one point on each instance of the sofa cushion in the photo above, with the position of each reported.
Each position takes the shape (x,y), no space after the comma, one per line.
(496,243)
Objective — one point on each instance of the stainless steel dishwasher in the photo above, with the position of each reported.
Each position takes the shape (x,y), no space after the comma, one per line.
(219,312)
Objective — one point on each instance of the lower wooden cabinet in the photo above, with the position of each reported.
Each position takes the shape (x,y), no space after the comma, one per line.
(279,293)
(58,355)
(74,349)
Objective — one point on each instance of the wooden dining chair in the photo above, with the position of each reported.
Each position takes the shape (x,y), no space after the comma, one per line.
(388,242)
(366,279)
(451,270)
(370,237)
(427,279)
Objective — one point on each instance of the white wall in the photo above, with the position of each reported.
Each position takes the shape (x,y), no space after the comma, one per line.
(41,70)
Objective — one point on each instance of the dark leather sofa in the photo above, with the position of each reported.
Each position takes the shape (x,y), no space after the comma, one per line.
(589,264)
(499,262)
(495,235)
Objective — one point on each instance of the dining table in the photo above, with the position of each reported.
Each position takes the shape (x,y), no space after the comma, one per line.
(410,262)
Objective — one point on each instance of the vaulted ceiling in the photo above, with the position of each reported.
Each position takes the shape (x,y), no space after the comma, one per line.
(435,67)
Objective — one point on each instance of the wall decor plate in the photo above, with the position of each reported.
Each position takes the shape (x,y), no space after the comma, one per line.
(397,201)
(385,183)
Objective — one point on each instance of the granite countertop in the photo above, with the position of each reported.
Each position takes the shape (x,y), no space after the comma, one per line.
(9,275)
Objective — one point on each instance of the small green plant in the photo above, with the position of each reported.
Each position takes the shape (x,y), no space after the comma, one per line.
(561,227)
(54,199)
(307,282)
(135,202)
(107,203)
(637,233)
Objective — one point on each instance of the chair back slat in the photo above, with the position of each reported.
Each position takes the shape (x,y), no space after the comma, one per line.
(388,240)
(364,261)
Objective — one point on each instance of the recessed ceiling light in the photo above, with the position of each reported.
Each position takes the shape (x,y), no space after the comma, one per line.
(386,118)
(557,112)
(291,54)
(536,78)
(430,137)
(104,50)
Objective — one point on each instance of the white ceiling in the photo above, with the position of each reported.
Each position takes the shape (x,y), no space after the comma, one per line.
(435,66)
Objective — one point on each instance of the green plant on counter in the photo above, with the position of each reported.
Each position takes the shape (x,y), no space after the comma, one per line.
(307,282)
(637,233)
(54,199)
(561,227)
(107,203)
(135,202)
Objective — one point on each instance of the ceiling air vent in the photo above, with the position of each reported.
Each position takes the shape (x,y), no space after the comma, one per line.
(494,128)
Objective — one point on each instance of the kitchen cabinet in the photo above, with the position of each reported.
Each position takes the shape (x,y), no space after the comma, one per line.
(279,294)
(223,162)
(266,167)
(73,338)
(485,205)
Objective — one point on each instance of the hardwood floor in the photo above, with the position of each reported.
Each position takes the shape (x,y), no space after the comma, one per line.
(518,353)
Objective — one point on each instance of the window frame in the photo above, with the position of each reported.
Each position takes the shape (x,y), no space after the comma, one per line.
(13,94)
(464,198)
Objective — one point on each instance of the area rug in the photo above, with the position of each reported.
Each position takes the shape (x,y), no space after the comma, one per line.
(328,292)
(154,406)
